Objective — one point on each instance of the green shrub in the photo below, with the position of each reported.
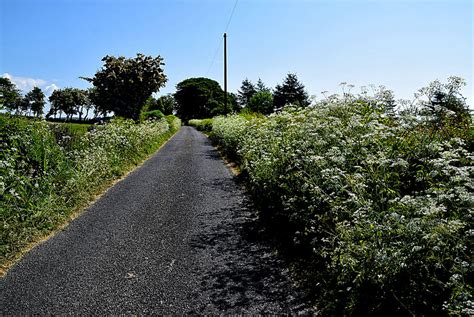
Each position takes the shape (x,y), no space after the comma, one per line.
(261,102)
(381,206)
(153,115)
(45,175)
(174,122)
(204,125)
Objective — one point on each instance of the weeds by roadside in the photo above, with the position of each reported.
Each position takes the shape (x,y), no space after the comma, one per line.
(47,172)
(379,206)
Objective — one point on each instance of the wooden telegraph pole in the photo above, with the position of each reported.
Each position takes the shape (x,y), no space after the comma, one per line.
(225,73)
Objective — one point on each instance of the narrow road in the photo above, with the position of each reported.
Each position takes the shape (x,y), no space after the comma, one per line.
(176,236)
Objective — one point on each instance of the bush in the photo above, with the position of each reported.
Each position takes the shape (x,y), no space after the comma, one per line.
(380,206)
(261,102)
(174,122)
(46,175)
(153,115)
(204,125)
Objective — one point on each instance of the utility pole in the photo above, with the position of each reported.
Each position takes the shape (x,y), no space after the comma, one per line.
(225,73)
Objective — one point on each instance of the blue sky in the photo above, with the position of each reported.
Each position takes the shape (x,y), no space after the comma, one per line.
(397,43)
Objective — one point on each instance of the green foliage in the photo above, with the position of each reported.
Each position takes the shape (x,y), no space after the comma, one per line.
(123,85)
(71,101)
(261,102)
(261,86)
(173,122)
(257,98)
(245,93)
(198,98)
(166,104)
(36,101)
(48,170)
(153,115)
(204,125)
(9,94)
(380,206)
(445,101)
(291,92)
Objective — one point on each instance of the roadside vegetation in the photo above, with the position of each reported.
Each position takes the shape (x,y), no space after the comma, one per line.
(371,199)
(48,171)
(204,125)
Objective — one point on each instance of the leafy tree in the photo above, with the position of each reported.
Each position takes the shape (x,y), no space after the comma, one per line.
(261,86)
(123,85)
(71,101)
(35,99)
(88,105)
(165,104)
(247,90)
(61,101)
(9,95)
(81,101)
(198,98)
(22,105)
(219,108)
(99,110)
(290,92)
(261,102)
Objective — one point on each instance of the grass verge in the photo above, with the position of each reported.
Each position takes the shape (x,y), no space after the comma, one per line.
(47,178)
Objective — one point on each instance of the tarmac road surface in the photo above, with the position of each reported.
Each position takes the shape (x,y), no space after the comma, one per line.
(177,236)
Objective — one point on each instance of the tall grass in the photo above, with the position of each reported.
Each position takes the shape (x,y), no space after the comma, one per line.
(47,170)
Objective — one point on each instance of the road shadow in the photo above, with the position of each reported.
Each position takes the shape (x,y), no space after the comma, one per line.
(245,275)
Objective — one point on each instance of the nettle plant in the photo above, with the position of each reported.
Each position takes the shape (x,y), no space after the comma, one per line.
(380,201)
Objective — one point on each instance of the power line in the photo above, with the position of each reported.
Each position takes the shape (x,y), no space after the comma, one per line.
(231,15)
(214,58)
(220,42)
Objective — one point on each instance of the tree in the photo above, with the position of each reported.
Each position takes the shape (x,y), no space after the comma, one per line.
(261,102)
(22,105)
(261,86)
(68,100)
(81,101)
(98,109)
(247,90)
(9,95)
(88,105)
(198,98)
(35,99)
(290,92)
(165,104)
(61,101)
(123,85)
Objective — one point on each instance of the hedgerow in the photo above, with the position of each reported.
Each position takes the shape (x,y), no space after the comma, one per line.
(380,205)
(45,175)
(204,125)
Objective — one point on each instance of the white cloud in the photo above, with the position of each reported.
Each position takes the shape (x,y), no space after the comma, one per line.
(25,84)
(48,90)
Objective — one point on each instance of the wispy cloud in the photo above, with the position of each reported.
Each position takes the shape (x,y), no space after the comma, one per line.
(25,84)
(48,90)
